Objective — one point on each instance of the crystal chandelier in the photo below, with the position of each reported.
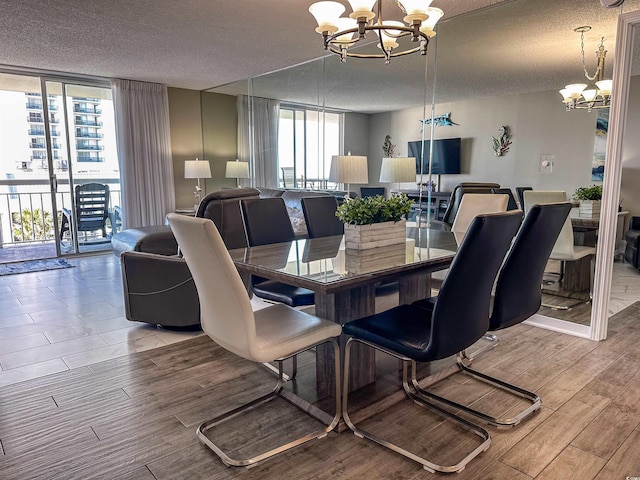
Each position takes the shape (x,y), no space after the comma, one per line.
(338,32)
(576,96)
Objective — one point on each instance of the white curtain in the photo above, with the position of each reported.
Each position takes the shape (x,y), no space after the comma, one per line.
(144,151)
(258,138)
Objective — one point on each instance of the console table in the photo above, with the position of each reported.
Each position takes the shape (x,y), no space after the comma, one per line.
(438,205)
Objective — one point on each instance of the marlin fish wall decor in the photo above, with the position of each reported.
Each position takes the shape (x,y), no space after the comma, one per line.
(439,121)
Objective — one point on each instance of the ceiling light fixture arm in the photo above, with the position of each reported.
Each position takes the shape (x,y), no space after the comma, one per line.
(601,54)
(577,96)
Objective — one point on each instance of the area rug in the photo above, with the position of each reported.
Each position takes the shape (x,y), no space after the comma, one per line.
(33,266)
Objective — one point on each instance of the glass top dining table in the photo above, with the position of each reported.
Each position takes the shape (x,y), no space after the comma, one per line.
(345,280)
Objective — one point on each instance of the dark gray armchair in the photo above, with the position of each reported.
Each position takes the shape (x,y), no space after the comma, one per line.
(158,289)
(632,237)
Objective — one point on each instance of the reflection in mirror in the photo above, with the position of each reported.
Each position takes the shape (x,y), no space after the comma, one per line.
(625,284)
(493,71)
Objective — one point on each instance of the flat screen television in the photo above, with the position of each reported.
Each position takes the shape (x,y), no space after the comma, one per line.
(446,155)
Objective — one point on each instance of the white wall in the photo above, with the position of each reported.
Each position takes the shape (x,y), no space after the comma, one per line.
(538,124)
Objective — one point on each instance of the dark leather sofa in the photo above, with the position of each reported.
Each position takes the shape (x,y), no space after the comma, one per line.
(157,284)
(632,236)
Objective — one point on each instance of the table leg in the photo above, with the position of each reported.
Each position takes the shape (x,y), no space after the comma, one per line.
(342,307)
(577,275)
(413,287)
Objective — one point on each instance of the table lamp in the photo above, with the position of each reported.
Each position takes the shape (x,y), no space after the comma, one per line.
(197,169)
(348,169)
(398,170)
(237,170)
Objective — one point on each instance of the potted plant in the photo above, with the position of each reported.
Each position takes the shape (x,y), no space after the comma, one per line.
(590,198)
(374,221)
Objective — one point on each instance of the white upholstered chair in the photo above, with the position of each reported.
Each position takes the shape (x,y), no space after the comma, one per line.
(471,205)
(564,250)
(474,204)
(270,334)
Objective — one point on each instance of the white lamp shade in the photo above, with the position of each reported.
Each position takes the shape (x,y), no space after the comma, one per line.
(326,14)
(604,87)
(575,90)
(346,23)
(388,41)
(427,27)
(415,9)
(589,95)
(398,170)
(566,95)
(197,169)
(348,169)
(362,9)
(237,170)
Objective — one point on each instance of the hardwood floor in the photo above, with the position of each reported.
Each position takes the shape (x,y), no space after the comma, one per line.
(133,417)
(56,320)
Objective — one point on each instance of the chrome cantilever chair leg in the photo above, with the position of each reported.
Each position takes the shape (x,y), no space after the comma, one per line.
(419,400)
(491,341)
(329,421)
(276,370)
(462,360)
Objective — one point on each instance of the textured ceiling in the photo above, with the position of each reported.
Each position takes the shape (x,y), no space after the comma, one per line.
(519,46)
(187,43)
(502,47)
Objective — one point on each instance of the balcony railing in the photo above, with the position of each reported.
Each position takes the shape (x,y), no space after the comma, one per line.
(26,217)
(91,159)
(89,147)
(93,111)
(88,123)
(89,135)
(39,132)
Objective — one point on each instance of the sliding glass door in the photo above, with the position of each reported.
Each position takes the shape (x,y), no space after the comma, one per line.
(55,136)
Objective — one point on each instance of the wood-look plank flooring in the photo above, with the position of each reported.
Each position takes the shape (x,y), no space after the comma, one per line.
(134,417)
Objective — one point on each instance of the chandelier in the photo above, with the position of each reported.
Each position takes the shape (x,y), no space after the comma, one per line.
(338,32)
(576,96)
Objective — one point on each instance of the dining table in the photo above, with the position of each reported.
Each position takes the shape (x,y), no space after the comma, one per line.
(344,282)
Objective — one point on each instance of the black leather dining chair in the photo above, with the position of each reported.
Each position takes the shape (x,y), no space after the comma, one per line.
(456,197)
(511,204)
(320,216)
(520,193)
(266,221)
(517,297)
(459,317)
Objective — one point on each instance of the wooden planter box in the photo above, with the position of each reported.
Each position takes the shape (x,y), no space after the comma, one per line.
(589,208)
(362,237)
(374,259)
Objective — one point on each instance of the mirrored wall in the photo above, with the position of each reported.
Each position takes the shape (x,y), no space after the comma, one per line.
(484,71)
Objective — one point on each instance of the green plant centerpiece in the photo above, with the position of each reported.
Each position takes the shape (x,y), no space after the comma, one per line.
(590,199)
(593,192)
(374,221)
(368,210)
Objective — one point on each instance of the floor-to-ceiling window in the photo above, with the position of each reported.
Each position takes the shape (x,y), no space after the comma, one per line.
(307,139)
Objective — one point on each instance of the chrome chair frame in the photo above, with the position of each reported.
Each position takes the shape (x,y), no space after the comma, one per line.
(300,403)
(409,389)
(464,361)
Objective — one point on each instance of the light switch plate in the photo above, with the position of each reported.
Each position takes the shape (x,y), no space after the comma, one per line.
(546,163)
